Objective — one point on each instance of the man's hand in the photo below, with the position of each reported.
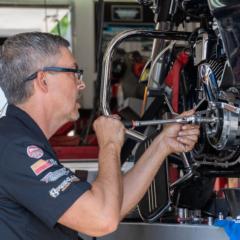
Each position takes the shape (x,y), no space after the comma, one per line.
(109,130)
(179,138)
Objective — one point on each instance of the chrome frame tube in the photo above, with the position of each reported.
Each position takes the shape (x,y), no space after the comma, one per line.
(186,176)
(105,84)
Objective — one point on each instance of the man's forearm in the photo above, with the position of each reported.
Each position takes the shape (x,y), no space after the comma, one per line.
(101,205)
(109,179)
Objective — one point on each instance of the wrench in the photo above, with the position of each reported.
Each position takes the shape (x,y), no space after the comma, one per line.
(194,119)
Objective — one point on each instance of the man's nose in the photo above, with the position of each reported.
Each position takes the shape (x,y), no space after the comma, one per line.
(81,85)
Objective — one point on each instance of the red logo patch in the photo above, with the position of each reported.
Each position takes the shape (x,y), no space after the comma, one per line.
(34,152)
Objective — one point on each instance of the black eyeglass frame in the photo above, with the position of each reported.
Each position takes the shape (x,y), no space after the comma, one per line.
(79,72)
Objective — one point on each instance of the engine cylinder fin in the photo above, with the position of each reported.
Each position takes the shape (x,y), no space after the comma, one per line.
(217,67)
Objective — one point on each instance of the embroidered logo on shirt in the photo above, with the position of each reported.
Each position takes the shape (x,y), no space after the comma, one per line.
(40,166)
(54,176)
(52,161)
(34,152)
(54,192)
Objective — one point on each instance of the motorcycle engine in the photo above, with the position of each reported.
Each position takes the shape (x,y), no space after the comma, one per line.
(217,97)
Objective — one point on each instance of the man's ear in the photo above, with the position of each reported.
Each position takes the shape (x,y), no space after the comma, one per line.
(41,82)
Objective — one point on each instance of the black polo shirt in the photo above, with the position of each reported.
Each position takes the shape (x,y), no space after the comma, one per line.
(35,189)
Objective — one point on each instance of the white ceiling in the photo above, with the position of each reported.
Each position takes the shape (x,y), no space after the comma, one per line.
(15,20)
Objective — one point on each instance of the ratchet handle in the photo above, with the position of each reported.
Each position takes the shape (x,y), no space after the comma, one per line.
(185,120)
(133,124)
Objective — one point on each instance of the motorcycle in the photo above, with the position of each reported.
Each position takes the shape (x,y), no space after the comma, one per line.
(197,69)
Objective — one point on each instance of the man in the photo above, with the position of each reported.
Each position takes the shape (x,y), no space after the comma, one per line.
(39,198)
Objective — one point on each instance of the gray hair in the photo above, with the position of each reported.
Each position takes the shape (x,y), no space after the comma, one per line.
(22,55)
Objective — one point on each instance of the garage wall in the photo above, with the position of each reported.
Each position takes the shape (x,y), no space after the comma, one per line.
(2,103)
(83,43)
(83,38)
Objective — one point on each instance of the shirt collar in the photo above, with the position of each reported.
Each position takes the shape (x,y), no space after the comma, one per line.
(25,118)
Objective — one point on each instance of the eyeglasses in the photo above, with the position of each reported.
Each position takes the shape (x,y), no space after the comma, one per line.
(78,73)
